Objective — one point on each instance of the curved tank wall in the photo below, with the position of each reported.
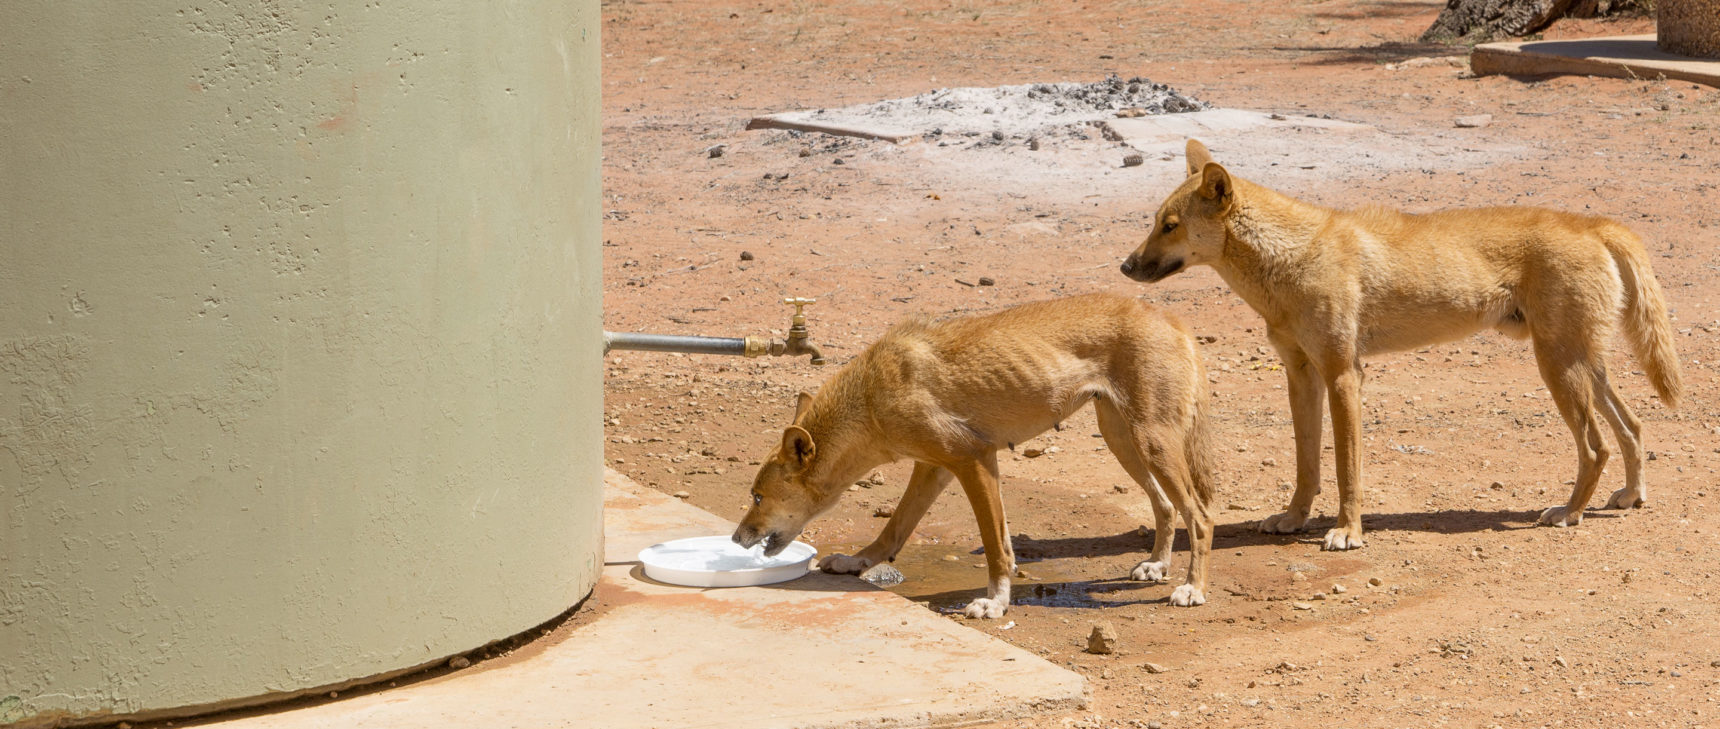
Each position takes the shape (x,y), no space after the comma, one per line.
(299,342)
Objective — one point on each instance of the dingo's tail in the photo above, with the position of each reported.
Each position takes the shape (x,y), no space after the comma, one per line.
(1645,318)
(1197,449)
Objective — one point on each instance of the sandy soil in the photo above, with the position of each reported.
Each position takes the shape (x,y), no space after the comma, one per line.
(1479,617)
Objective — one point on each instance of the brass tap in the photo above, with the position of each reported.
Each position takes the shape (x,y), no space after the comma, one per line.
(798,343)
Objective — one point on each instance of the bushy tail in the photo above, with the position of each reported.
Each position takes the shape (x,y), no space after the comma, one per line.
(1645,319)
(1198,450)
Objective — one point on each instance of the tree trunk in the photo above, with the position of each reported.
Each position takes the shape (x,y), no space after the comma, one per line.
(1484,19)
(1490,18)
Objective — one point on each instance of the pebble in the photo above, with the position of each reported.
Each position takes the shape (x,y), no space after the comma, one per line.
(997,135)
(987,281)
(1268,462)
(1375,581)
(1033,144)
(1474,122)
(952,558)
(458,662)
(683,495)
(746,255)
(883,575)
(1151,667)
(1561,661)
(1154,725)
(1319,596)
(1298,577)
(1251,703)
(1032,452)
(1121,488)
(1338,589)
(1301,606)
(885,511)
(1134,160)
(1103,639)
(716,150)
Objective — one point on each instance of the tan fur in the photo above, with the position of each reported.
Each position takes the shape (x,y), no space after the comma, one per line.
(950,394)
(1335,286)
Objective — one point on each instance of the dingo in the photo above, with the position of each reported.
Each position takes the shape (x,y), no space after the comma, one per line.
(1335,286)
(950,394)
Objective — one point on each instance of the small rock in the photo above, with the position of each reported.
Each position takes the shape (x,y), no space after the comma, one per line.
(746,255)
(1714,664)
(1375,581)
(1121,488)
(987,281)
(683,495)
(997,135)
(1023,574)
(716,150)
(1032,452)
(1497,486)
(1298,577)
(885,511)
(1302,606)
(1251,703)
(883,575)
(952,558)
(1268,462)
(1134,160)
(1474,122)
(1319,596)
(1033,143)
(1103,640)
(1155,725)
(1151,667)
(838,161)
(458,662)
(1338,589)
(876,479)
(1561,661)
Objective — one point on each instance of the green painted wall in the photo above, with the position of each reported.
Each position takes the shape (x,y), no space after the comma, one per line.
(299,342)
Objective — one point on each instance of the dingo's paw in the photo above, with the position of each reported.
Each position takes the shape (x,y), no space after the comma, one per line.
(842,564)
(1187,596)
(1288,522)
(1560,516)
(985,607)
(1150,571)
(1626,499)
(1342,538)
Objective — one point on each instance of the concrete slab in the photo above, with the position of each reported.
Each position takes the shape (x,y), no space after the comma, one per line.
(1628,56)
(821,652)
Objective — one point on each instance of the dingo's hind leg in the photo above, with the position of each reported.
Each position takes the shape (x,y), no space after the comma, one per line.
(1572,381)
(1120,438)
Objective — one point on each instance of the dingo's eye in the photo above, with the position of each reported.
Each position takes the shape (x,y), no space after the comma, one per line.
(758,498)
(1170,225)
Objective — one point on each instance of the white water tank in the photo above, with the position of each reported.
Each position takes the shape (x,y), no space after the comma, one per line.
(300,346)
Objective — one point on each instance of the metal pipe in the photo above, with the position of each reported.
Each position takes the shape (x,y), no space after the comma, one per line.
(746,347)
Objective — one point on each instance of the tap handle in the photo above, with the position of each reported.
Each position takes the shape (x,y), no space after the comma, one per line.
(799,305)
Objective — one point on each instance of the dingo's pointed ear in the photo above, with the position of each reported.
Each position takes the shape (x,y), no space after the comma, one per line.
(797,445)
(801,403)
(1215,184)
(1198,157)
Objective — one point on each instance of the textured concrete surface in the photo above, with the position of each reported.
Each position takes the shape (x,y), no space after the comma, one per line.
(299,343)
(819,652)
(1629,56)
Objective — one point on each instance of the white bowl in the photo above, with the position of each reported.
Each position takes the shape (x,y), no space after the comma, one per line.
(719,562)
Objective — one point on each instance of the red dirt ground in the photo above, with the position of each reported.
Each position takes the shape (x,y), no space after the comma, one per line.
(1481,618)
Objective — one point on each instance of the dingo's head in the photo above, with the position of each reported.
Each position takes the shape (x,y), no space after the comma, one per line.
(1189,227)
(785,495)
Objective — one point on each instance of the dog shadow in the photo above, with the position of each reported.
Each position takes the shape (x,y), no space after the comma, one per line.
(1247,534)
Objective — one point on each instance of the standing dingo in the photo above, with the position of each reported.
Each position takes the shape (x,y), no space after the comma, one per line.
(1335,286)
(950,394)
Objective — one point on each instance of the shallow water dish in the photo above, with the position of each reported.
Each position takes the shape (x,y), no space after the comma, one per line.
(719,562)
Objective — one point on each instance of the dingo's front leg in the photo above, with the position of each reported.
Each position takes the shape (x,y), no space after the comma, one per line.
(1346,399)
(923,488)
(1307,391)
(979,481)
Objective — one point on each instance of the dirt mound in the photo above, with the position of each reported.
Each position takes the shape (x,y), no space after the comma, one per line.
(1014,111)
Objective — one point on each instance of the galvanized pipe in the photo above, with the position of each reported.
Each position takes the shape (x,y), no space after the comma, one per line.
(747,347)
